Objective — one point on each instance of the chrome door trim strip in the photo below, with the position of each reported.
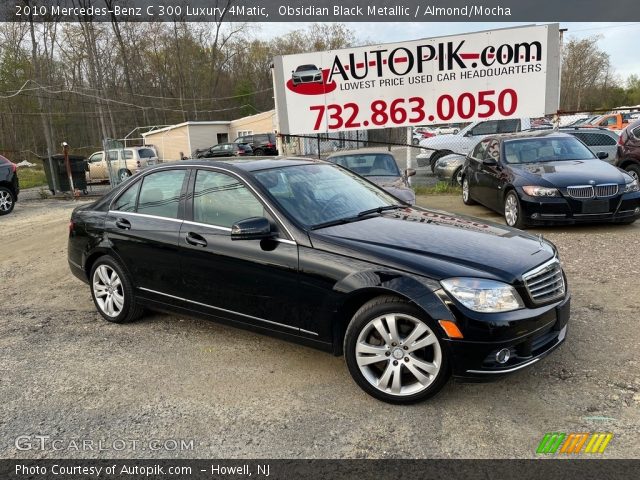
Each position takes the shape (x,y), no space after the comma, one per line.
(115,213)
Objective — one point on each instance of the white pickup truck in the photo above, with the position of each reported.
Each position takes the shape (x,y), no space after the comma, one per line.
(467,138)
(124,162)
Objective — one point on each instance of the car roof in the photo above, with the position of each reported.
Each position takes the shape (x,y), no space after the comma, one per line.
(246,164)
(531,134)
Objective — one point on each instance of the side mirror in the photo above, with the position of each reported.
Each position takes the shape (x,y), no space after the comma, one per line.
(409,172)
(602,155)
(469,133)
(489,162)
(253,228)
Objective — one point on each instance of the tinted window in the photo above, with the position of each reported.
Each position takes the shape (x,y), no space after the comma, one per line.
(160,193)
(127,201)
(485,128)
(223,200)
(594,139)
(478,151)
(636,132)
(508,126)
(146,153)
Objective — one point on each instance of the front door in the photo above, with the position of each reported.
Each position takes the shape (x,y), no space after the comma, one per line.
(253,281)
(489,175)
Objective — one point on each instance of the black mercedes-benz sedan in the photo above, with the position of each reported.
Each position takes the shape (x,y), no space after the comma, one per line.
(314,253)
(546,177)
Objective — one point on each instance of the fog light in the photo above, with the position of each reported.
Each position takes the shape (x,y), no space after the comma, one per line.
(535,215)
(637,210)
(503,355)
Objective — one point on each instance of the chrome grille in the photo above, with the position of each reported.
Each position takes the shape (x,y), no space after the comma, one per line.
(606,190)
(545,282)
(584,191)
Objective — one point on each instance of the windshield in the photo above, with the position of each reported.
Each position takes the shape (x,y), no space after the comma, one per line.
(369,165)
(317,194)
(545,149)
(306,68)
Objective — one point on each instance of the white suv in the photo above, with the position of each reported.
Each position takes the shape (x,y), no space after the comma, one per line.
(125,162)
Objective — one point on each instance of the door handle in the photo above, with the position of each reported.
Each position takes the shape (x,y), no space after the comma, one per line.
(123,224)
(196,240)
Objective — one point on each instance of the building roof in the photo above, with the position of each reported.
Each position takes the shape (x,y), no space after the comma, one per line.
(183,124)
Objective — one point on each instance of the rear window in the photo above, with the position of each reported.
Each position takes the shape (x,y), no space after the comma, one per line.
(146,153)
(594,139)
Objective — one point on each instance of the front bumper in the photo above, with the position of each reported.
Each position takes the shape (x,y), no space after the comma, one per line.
(566,210)
(541,333)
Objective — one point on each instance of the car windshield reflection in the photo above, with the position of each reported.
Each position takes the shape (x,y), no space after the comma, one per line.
(369,165)
(535,150)
(319,195)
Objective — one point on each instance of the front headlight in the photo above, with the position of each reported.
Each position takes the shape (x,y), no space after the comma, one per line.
(535,191)
(485,296)
(631,187)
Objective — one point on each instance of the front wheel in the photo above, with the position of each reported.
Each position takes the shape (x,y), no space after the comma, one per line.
(112,291)
(512,211)
(7,201)
(456,179)
(394,352)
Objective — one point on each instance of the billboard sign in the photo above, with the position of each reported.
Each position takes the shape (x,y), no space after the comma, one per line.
(506,73)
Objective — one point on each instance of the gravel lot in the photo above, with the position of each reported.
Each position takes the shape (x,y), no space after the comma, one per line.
(66,373)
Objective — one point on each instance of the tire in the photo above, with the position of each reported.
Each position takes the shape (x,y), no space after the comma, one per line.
(466,192)
(123,174)
(415,141)
(258,152)
(633,169)
(7,201)
(437,156)
(456,131)
(386,369)
(456,179)
(112,291)
(513,211)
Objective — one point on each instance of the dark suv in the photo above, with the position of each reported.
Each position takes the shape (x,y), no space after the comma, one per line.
(261,143)
(629,150)
(9,186)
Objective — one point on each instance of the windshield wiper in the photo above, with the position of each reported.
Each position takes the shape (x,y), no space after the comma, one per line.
(359,216)
(378,210)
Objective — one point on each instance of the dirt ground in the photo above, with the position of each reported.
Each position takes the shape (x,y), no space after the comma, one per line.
(68,375)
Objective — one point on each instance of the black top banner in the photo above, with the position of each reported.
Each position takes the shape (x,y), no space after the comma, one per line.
(320,10)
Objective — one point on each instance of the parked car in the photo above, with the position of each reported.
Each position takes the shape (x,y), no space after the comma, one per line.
(306,74)
(447,129)
(224,150)
(125,162)
(382,169)
(597,140)
(466,139)
(316,254)
(628,155)
(9,185)
(547,177)
(449,168)
(419,134)
(612,121)
(261,143)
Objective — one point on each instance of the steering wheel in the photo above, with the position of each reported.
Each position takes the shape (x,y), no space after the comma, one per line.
(333,200)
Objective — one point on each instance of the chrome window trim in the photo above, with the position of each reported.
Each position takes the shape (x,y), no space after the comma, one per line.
(145,215)
(227,229)
(227,311)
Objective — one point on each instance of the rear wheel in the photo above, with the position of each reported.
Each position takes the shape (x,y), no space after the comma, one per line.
(466,195)
(394,352)
(124,174)
(512,211)
(258,152)
(112,291)
(7,201)
(633,170)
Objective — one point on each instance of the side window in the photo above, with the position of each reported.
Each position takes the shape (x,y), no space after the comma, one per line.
(113,155)
(636,132)
(479,150)
(611,121)
(128,154)
(222,200)
(493,150)
(160,193)
(595,139)
(485,128)
(127,201)
(509,126)
(95,158)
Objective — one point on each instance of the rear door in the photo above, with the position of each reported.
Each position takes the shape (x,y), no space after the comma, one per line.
(143,226)
(253,281)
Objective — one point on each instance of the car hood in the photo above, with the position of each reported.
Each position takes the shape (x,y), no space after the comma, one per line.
(438,244)
(572,172)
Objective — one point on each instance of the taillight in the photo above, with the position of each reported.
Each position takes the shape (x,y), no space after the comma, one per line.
(138,162)
(72,227)
(269,144)
(14,167)
(620,139)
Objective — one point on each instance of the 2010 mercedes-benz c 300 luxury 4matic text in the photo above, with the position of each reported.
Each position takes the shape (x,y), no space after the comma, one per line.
(311,252)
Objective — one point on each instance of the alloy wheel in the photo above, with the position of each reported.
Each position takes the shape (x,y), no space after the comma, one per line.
(634,175)
(6,201)
(465,189)
(108,290)
(398,354)
(458,177)
(124,174)
(511,210)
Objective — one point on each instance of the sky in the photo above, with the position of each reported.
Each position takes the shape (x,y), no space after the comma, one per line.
(619,40)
